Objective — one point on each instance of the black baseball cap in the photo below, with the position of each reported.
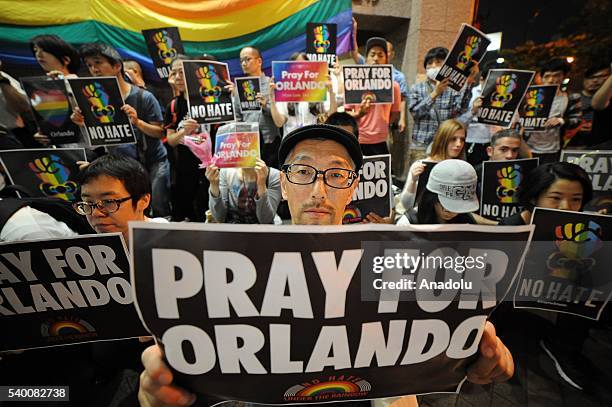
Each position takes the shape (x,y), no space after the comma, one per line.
(321,131)
(377,42)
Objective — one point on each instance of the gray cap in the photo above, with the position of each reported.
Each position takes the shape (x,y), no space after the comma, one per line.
(455,183)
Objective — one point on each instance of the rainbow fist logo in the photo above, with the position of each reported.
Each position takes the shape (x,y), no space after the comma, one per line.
(335,387)
(534,102)
(165,51)
(472,43)
(209,83)
(51,105)
(54,177)
(352,214)
(504,85)
(99,101)
(576,243)
(248,90)
(321,39)
(509,179)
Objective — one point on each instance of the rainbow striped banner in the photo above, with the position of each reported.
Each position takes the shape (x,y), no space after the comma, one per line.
(217,27)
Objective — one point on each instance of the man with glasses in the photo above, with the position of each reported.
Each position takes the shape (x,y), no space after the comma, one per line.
(115,189)
(251,63)
(319,174)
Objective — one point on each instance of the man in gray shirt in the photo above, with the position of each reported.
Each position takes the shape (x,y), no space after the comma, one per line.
(251,63)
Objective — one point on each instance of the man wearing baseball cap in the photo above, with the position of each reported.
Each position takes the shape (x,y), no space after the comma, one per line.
(304,154)
(374,119)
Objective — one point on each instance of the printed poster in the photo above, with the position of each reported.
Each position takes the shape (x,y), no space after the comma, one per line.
(321,40)
(536,106)
(209,101)
(237,145)
(248,88)
(373,193)
(164,46)
(100,101)
(374,82)
(300,81)
(598,164)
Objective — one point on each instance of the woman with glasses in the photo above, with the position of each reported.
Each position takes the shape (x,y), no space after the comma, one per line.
(244,195)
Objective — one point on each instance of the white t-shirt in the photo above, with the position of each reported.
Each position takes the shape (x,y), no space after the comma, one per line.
(31,224)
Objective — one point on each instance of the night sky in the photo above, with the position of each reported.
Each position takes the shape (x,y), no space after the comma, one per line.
(522,20)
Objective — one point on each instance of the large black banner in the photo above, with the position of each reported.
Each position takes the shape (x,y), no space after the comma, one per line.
(469,47)
(501,184)
(320,313)
(567,268)
(598,164)
(44,171)
(321,39)
(209,101)
(373,193)
(100,102)
(164,45)
(59,292)
(374,82)
(502,93)
(51,109)
(536,106)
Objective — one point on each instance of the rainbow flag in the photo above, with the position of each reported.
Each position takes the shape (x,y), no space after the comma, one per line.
(217,27)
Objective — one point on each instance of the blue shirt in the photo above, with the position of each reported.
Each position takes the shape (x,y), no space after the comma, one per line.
(151,148)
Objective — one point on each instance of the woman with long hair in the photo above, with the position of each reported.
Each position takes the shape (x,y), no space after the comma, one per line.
(448,143)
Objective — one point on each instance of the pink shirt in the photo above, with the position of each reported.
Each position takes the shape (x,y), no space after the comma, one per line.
(374,126)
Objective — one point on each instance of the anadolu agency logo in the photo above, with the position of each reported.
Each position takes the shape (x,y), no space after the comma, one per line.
(330,388)
(576,244)
(66,327)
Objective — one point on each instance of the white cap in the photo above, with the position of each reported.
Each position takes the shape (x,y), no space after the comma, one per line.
(455,183)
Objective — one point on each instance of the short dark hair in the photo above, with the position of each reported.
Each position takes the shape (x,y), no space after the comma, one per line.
(512,133)
(343,119)
(542,177)
(435,53)
(554,65)
(98,49)
(593,69)
(59,48)
(130,172)
(257,51)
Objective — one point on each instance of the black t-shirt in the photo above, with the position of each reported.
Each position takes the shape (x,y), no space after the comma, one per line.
(514,220)
(185,162)
(602,126)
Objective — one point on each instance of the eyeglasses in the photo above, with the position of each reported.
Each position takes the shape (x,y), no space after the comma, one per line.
(302,174)
(246,60)
(105,206)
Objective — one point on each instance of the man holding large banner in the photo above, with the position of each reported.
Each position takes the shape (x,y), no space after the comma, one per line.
(305,153)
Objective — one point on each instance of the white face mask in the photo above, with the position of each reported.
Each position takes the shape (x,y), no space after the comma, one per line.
(432,73)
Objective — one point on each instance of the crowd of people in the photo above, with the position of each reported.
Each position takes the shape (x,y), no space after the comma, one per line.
(160,179)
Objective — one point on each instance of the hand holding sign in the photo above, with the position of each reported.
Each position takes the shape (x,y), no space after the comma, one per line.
(156,387)
(495,363)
